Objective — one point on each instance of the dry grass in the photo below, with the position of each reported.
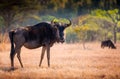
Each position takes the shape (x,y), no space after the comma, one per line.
(68,61)
(3,40)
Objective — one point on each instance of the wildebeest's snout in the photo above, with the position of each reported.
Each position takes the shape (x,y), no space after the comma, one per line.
(62,40)
(62,37)
(59,40)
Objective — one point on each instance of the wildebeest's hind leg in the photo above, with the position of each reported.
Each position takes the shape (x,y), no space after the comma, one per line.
(42,54)
(12,52)
(18,50)
(12,55)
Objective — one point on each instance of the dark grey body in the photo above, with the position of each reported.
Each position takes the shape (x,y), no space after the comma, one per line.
(108,43)
(42,34)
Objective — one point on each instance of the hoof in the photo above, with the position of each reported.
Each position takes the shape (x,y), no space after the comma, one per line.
(12,68)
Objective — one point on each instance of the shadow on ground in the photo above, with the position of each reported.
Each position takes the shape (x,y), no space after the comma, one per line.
(8,69)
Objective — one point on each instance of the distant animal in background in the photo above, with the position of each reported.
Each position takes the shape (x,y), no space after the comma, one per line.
(108,43)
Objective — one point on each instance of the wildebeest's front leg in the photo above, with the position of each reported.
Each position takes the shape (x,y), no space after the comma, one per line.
(42,54)
(48,55)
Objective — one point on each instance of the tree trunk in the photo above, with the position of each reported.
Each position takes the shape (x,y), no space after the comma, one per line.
(114,33)
(8,20)
(84,45)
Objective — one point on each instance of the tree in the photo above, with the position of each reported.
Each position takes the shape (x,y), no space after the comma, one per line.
(115,17)
(10,10)
(71,35)
(111,16)
(87,32)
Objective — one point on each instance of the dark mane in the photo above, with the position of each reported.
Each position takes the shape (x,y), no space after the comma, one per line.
(40,31)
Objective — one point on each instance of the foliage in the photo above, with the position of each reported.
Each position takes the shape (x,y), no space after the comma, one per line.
(97,26)
(71,35)
(95,19)
(1,22)
(111,16)
(118,36)
(86,33)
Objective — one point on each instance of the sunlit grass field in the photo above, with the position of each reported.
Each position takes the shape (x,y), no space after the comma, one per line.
(68,61)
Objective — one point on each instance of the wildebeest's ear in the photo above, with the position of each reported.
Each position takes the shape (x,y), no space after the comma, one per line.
(67,25)
(52,22)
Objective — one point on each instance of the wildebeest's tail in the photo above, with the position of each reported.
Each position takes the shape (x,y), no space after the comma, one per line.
(11,35)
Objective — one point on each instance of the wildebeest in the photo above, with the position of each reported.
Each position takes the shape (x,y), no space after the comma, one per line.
(108,43)
(40,35)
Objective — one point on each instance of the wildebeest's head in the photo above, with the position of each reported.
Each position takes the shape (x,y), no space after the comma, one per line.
(61,28)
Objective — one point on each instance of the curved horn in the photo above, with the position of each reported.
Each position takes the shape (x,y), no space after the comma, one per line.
(67,25)
(52,22)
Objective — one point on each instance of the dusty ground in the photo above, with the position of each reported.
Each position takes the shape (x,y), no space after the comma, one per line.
(67,61)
